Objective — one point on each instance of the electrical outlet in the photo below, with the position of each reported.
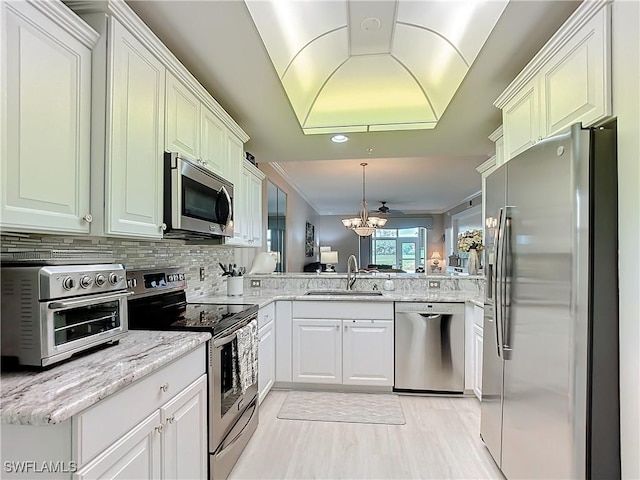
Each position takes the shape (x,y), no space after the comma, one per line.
(434,283)
(256,283)
(202,274)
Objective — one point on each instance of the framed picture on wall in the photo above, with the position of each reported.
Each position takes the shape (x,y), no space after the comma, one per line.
(310,240)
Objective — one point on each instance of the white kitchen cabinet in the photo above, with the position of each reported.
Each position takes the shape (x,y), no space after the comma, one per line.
(235,153)
(474,319)
(45,159)
(347,343)
(317,351)
(567,82)
(284,334)
(266,350)
(213,143)
(155,428)
(521,120)
(477,361)
(248,219)
(367,352)
(136,455)
(183,118)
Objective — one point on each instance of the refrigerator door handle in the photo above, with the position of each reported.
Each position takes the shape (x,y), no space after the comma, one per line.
(507,268)
(497,303)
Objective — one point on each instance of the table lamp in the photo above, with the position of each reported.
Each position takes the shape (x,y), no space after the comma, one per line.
(435,262)
(329,258)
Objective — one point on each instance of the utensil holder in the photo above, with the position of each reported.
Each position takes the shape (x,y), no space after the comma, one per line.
(235,286)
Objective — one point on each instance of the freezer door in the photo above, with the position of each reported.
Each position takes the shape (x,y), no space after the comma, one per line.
(538,410)
(492,364)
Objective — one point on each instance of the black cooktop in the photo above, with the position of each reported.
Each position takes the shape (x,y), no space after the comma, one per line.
(172,312)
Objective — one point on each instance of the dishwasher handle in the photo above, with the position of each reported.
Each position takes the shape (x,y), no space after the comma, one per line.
(430,316)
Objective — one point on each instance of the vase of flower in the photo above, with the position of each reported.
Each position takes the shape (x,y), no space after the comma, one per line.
(474,262)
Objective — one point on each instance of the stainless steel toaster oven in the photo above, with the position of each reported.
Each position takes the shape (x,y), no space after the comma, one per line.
(50,313)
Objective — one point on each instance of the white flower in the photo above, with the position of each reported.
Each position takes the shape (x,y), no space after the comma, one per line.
(471,239)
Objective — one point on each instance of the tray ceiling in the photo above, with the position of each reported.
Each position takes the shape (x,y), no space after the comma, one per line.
(360,66)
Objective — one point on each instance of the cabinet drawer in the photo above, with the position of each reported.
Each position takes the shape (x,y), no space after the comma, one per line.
(342,309)
(99,426)
(266,315)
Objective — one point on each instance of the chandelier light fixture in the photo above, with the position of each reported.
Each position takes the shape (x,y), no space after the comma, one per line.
(364,225)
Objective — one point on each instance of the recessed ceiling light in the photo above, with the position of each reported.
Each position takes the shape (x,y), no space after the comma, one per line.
(339,138)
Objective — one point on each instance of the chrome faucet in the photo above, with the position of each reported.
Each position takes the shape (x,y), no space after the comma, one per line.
(352,269)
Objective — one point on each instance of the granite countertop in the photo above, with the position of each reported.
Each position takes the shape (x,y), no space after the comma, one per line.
(55,395)
(264,296)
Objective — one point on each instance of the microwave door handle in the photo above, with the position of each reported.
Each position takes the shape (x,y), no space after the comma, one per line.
(87,301)
(229,218)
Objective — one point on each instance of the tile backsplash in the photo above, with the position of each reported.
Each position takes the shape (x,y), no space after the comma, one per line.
(136,254)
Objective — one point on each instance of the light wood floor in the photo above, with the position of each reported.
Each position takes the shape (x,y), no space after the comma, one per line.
(439,441)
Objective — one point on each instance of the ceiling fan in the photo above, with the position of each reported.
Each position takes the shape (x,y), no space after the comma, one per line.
(384,210)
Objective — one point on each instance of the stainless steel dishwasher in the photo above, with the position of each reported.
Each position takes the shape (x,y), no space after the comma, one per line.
(429,347)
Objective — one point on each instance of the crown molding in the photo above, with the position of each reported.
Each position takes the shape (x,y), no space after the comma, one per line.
(483,167)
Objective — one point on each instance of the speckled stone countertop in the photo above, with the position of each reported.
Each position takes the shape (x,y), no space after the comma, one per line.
(263,297)
(55,395)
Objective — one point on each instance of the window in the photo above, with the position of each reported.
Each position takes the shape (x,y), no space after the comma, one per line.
(402,248)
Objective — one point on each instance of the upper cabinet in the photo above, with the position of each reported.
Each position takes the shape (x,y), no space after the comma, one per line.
(567,82)
(247,201)
(183,119)
(45,119)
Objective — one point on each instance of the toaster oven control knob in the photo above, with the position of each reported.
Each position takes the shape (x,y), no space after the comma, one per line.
(68,283)
(113,278)
(85,281)
(100,279)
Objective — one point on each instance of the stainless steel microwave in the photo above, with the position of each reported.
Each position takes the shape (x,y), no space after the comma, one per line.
(197,203)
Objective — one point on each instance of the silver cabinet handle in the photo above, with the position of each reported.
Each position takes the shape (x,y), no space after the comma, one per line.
(164,387)
(171,419)
(160,428)
(88,218)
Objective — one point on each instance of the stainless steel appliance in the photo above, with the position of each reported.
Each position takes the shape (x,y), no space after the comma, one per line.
(197,203)
(159,303)
(52,312)
(429,347)
(550,405)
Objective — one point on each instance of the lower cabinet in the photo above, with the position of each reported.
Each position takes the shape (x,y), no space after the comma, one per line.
(346,351)
(156,428)
(474,318)
(266,360)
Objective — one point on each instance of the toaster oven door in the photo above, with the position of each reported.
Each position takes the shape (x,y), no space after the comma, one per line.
(70,326)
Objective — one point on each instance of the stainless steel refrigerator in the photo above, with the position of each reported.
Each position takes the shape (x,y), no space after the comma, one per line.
(550,401)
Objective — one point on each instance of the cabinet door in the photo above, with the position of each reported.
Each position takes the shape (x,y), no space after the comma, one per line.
(477,361)
(576,81)
(367,352)
(255,202)
(136,455)
(235,153)
(521,121)
(317,351)
(183,119)
(284,343)
(184,449)
(47,96)
(213,143)
(135,153)
(266,360)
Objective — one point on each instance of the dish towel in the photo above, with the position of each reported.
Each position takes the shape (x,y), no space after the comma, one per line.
(247,355)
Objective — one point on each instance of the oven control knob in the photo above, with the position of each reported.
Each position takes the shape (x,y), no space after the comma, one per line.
(100,279)
(68,283)
(85,281)
(113,278)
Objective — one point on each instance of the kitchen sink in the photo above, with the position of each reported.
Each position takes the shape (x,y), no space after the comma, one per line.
(353,293)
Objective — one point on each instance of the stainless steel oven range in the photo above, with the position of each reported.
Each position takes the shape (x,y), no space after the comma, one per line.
(159,303)
(52,312)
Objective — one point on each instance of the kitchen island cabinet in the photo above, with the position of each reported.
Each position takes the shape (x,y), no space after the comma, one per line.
(134,410)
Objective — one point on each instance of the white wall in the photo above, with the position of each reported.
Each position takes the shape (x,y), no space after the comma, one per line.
(626,105)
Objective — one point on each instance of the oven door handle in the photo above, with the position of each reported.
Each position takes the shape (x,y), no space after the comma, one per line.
(87,301)
(224,340)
